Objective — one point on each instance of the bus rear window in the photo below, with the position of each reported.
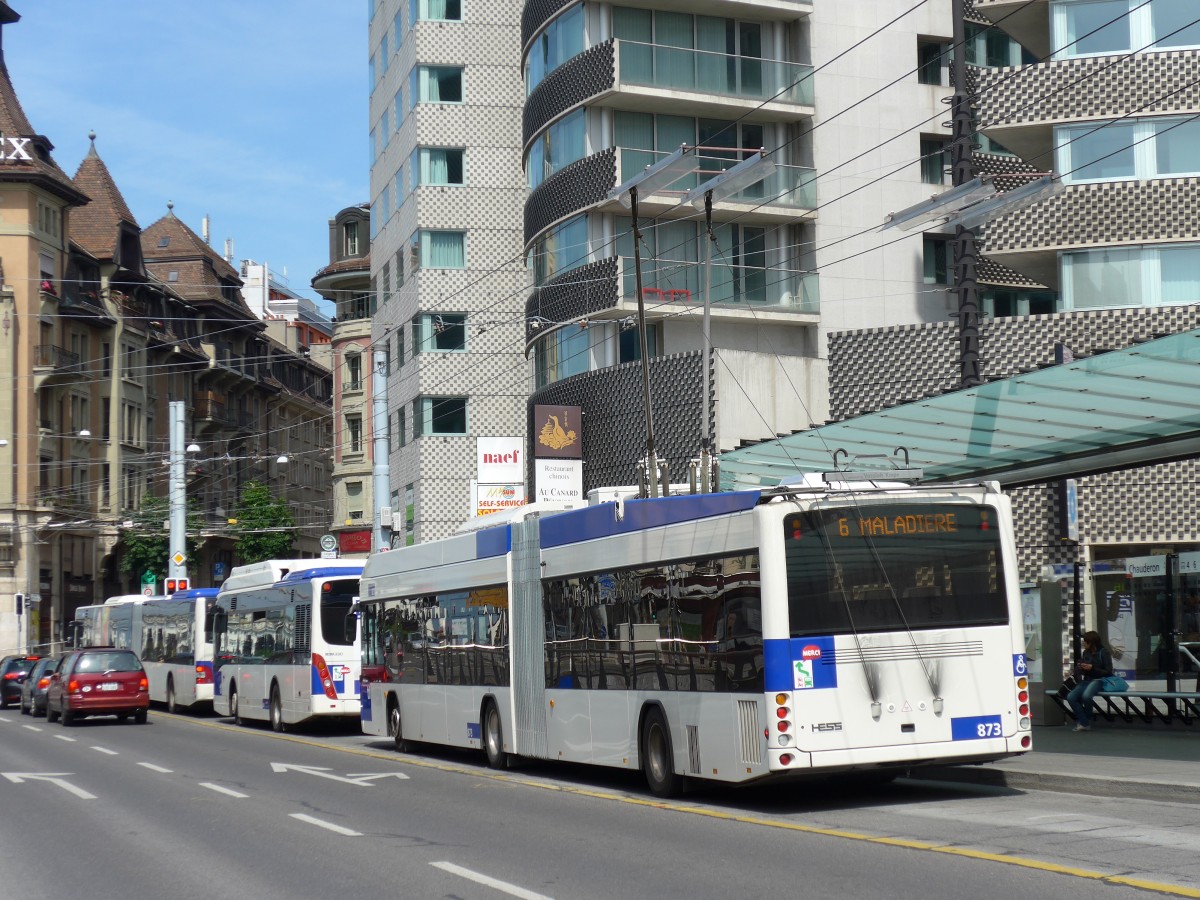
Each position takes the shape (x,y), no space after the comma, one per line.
(893,567)
(337,619)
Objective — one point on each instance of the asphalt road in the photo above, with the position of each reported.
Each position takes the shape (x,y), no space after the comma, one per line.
(196,807)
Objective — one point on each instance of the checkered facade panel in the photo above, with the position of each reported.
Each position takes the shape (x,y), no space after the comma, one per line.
(590,73)
(1093,87)
(581,184)
(1000,164)
(1145,505)
(536,13)
(614,416)
(1105,213)
(991,273)
(579,292)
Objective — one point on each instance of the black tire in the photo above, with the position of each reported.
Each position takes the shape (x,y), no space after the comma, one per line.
(140,717)
(493,737)
(25,710)
(658,760)
(396,727)
(122,718)
(277,723)
(51,715)
(172,706)
(233,708)
(68,717)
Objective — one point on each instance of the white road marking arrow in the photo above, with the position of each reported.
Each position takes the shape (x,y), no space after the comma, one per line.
(53,778)
(367,776)
(319,771)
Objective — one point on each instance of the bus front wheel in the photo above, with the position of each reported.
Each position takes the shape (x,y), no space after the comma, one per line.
(233,708)
(396,727)
(658,761)
(493,737)
(172,706)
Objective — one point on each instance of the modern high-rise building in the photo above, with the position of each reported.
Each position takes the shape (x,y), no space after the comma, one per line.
(446,247)
(855,132)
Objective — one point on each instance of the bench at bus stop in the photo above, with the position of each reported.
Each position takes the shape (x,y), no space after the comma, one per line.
(1146,706)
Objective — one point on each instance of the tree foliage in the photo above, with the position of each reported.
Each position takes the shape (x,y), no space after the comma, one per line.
(265,526)
(146,546)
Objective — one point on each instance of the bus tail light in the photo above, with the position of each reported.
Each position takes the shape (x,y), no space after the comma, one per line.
(323,674)
(204,674)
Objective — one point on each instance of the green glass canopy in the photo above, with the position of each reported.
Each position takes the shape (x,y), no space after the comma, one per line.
(1113,410)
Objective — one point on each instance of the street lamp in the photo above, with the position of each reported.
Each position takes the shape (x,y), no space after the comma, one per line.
(663,173)
(748,172)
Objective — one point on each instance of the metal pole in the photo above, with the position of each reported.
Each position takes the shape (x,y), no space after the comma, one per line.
(381,447)
(706,445)
(177,495)
(651,457)
(965,250)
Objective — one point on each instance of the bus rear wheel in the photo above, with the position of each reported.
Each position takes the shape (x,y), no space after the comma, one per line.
(277,723)
(233,708)
(493,737)
(658,761)
(172,706)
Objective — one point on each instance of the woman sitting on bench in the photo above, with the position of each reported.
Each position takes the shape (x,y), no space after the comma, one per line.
(1095,665)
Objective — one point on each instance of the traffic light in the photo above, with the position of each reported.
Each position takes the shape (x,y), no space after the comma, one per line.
(176,584)
(20,604)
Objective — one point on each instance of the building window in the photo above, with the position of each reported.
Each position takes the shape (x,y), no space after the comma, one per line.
(442,249)
(563,353)
(558,146)
(1133,276)
(930,69)
(935,159)
(1119,26)
(440,416)
(437,84)
(937,259)
(354,434)
(434,11)
(629,347)
(354,499)
(354,372)
(439,165)
(1001,302)
(1138,148)
(401,424)
(563,247)
(443,332)
(562,39)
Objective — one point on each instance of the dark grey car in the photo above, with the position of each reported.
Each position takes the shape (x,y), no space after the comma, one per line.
(33,689)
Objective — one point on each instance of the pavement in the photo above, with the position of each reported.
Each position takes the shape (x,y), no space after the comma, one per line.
(1113,759)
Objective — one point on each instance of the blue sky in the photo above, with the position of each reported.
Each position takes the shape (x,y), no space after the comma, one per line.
(252,112)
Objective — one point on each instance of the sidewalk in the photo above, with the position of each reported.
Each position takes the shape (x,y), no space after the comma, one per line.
(1117,760)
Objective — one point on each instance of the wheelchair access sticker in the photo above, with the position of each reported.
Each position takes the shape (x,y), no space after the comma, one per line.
(1020,667)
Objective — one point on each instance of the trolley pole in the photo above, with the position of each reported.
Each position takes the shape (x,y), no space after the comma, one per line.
(966,253)
(177,496)
(380,446)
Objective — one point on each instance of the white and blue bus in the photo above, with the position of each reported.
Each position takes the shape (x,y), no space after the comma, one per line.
(171,634)
(735,637)
(285,642)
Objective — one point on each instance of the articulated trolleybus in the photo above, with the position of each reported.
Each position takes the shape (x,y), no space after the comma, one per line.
(737,637)
(285,641)
(172,635)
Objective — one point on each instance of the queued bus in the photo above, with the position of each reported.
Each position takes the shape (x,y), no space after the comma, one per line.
(171,634)
(822,627)
(285,642)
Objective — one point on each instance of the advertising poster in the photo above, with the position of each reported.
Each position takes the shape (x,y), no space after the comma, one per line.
(1122,636)
(1031,615)
(490,498)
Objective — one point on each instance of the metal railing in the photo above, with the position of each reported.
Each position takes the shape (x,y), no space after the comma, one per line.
(58,358)
(762,288)
(788,187)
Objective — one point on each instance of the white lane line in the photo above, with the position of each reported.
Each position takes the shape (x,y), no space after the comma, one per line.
(335,828)
(153,768)
(479,878)
(105,751)
(223,790)
(32,727)
(63,737)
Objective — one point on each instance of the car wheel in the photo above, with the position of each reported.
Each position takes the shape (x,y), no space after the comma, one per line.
(493,738)
(277,723)
(172,707)
(51,715)
(658,761)
(396,727)
(68,717)
(233,708)
(24,708)
(140,717)
(122,718)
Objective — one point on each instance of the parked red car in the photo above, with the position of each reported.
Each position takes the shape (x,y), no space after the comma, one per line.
(98,681)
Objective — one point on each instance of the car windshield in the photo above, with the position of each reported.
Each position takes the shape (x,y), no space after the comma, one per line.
(117,661)
(22,665)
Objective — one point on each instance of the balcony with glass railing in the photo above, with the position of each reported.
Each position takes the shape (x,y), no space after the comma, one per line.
(682,70)
(734,287)
(786,190)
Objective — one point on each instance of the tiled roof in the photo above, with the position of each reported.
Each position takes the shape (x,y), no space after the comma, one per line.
(40,167)
(169,245)
(97,225)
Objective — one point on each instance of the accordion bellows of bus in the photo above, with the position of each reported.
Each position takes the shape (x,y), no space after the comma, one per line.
(286,642)
(735,637)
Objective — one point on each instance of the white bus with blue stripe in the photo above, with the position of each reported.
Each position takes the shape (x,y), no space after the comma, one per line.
(286,642)
(733,637)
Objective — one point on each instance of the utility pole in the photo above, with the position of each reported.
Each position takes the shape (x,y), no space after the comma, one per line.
(965,251)
(381,447)
(177,497)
